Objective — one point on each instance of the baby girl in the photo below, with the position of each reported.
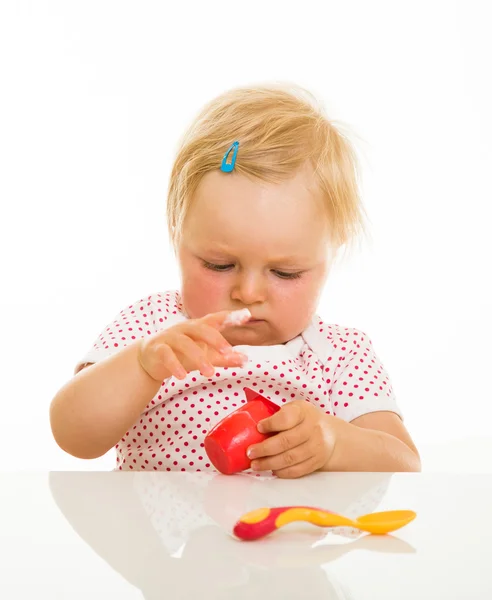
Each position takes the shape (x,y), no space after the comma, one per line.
(263,195)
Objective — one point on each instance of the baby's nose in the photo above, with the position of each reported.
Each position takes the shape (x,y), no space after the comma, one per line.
(250,289)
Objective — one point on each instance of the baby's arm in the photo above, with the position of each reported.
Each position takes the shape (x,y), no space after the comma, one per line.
(376,441)
(92,412)
(307,440)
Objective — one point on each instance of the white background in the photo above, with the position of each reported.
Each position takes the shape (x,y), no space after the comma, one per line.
(94,96)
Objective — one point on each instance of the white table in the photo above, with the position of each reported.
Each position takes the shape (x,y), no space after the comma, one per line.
(167,535)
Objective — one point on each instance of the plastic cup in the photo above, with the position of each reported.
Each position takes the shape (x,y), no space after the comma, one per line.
(226,443)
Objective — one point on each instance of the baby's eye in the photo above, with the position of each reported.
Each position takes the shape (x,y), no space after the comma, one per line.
(288,275)
(216,267)
(280,274)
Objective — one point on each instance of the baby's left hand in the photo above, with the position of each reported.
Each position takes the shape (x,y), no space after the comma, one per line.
(305,443)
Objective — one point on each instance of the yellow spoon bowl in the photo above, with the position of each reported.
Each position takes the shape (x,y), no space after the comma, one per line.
(263,521)
(384,522)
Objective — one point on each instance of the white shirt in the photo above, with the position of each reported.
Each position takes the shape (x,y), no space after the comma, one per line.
(333,367)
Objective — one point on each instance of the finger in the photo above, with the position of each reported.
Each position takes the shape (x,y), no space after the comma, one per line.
(159,360)
(289,458)
(237,317)
(235,359)
(168,358)
(227,318)
(299,470)
(195,355)
(287,417)
(281,442)
(212,337)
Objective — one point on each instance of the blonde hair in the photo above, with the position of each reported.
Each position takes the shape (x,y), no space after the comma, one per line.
(279,128)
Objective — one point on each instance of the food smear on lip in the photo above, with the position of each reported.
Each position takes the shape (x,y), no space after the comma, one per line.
(237,317)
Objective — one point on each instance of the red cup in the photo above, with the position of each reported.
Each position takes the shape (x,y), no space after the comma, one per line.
(227,442)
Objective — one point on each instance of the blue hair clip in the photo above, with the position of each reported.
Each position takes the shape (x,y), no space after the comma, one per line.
(227,168)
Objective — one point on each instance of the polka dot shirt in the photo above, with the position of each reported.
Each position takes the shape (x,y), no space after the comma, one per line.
(333,367)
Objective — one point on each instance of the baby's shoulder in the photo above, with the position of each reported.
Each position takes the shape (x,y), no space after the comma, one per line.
(168,302)
(327,339)
(162,308)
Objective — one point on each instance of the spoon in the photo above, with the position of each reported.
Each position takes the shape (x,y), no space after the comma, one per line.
(262,521)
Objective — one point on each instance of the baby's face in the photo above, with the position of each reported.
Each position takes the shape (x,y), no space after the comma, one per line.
(244,242)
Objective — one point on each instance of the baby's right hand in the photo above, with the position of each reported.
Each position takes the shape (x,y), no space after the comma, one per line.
(195,344)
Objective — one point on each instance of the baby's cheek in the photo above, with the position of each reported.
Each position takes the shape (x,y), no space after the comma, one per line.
(204,294)
(295,305)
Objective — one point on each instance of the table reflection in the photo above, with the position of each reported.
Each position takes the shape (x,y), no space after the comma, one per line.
(170,533)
